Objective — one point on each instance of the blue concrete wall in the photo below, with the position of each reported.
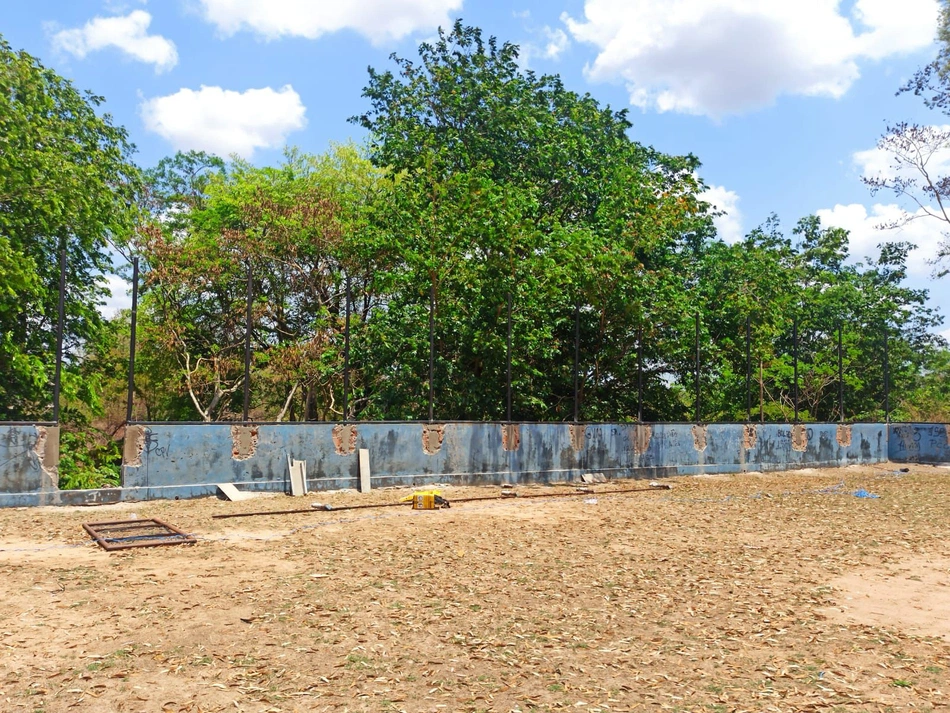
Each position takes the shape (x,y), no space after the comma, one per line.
(29,463)
(919,443)
(189,460)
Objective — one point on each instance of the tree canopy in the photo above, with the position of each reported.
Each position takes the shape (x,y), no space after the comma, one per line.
(66,182)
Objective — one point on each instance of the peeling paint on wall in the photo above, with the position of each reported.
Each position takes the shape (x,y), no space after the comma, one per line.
(133,446)
(578,437)
(243,442)
(510,437)
(699,437)
(844,436)
(46,451)
(641,438)
(799,438)
(432,435)
(344,439)
(39,448)
(749,436)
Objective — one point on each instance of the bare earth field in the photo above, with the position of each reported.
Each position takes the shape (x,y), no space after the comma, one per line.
(776,592)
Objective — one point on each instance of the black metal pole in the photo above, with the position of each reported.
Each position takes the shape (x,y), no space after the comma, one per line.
(247,342)
(508,360)
(698,405)
(795,358)
(135,308)
(431,351)
(840,377)
(748,368)
(60,328)
(346,355)
(640,371)
(577,360)
(887,381)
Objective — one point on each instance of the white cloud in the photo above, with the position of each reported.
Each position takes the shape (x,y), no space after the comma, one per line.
(378,20)
(127,33)
(866,233)
(729,224)
(120,298)
(547,43)
(222,121)
(557,42)
(894,27)
(718,57)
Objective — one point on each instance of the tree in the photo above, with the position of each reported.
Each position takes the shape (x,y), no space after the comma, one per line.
(291,227)
(66,183)
(918,152)
(510,183)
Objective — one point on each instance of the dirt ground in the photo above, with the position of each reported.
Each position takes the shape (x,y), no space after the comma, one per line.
(774,592)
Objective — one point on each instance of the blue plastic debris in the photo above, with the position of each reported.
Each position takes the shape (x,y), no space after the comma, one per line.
(862,493)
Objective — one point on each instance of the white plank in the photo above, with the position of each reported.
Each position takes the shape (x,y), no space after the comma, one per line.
(233,494)
(298,477)
(365,480)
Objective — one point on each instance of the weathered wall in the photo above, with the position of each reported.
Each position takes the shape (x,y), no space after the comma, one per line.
(29,463)
(919,443)
(188,460)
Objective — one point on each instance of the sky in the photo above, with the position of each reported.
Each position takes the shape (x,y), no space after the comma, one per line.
(782,102)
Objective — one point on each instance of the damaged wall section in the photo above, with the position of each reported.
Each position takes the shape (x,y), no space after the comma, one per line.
(29,458)
(432,437)
(134,446)
(344,439)
(749,436)
(699,437)
(843,435)
(244,442)
(641,438)
(510,436)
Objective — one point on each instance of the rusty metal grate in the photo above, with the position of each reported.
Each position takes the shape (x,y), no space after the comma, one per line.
(126,534)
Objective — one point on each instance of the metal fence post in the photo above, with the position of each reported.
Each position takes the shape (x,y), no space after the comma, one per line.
(247,341)
(640,371)
(698,404)
(60,328)
(887,379)
(135,303)
(508,360)
(840,377)
(795,359)
(346,355)
(577,359)
(748,368)
(431,350)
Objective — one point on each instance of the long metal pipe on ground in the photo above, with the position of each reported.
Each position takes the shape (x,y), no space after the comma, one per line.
(342,508)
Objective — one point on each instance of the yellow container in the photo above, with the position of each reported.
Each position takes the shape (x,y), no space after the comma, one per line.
(423,501)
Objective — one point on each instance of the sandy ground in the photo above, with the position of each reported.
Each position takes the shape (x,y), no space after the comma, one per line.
(775,592)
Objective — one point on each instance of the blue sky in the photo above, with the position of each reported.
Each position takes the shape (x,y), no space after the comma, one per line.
(783,102)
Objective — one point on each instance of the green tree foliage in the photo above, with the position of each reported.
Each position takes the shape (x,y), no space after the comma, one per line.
(493,184)
(66,181)
(929,398)
(291,227)
(482,185)
(512,184)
